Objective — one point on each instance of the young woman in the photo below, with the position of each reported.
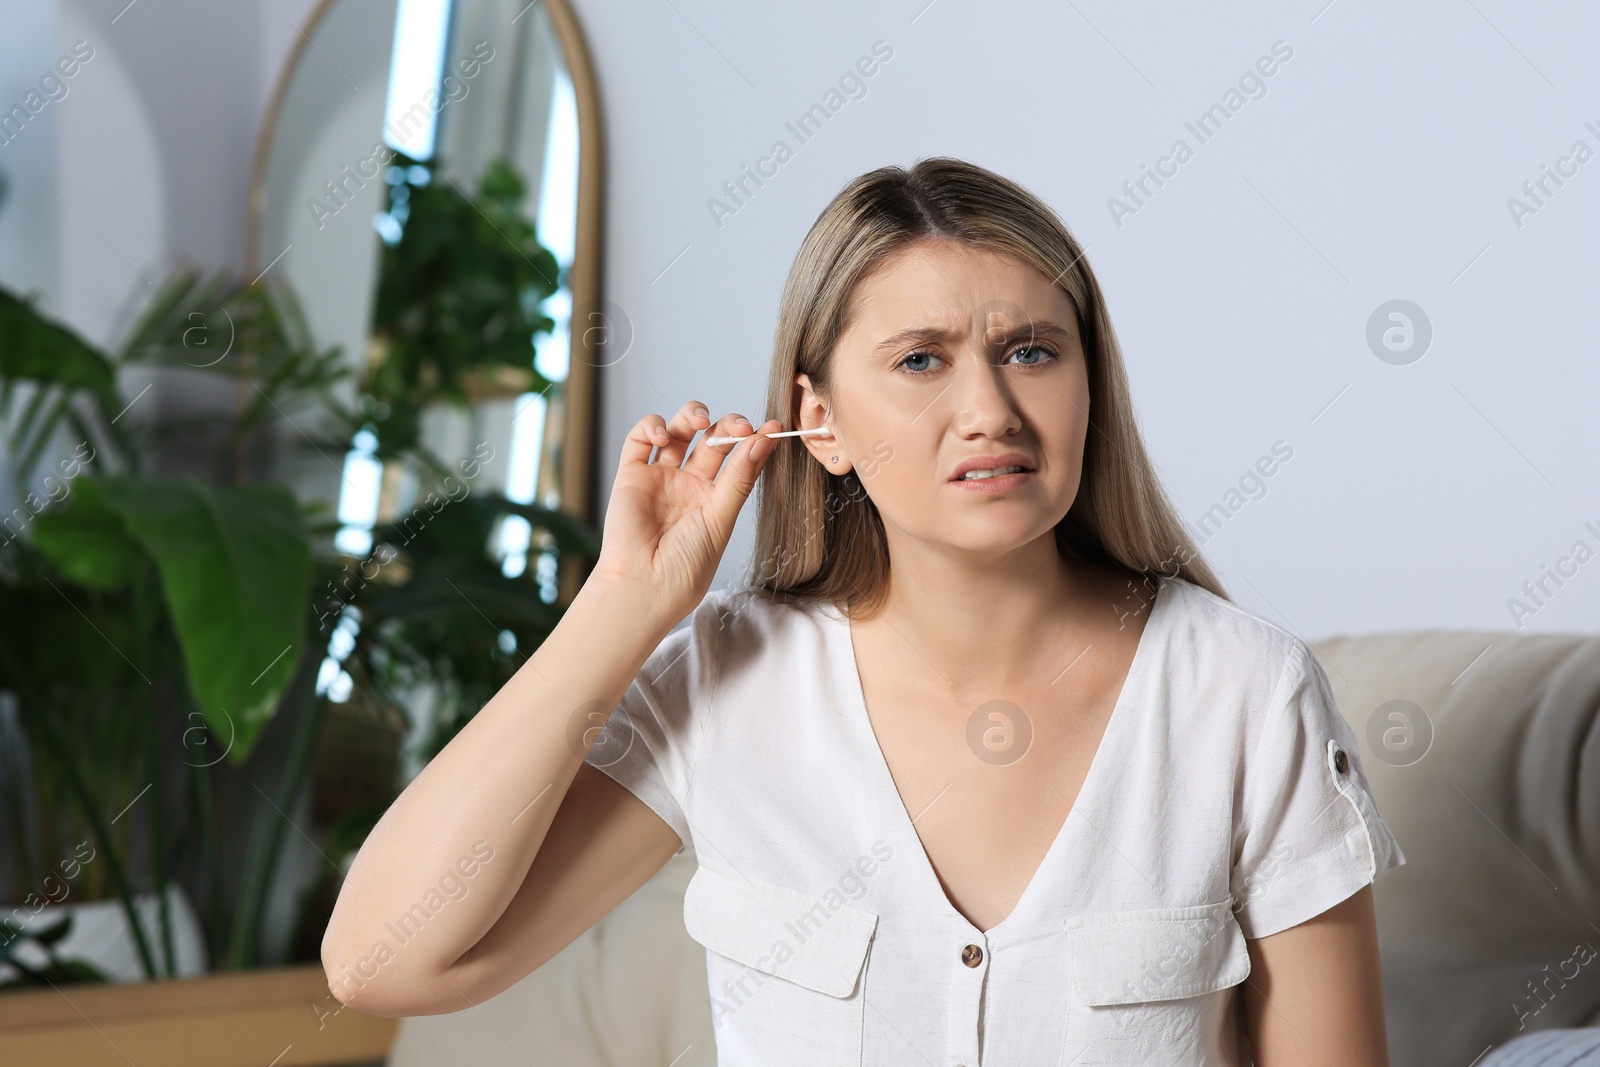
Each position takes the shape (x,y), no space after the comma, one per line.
(979,767)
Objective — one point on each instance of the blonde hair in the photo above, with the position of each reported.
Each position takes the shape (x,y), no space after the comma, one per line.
(818,536)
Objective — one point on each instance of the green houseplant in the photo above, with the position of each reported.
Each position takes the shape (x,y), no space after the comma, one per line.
(156,627)
(133,602)
(462,280)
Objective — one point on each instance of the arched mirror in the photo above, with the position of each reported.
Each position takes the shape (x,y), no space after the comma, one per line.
(427,185)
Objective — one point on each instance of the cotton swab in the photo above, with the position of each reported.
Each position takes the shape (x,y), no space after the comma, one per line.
(785,433)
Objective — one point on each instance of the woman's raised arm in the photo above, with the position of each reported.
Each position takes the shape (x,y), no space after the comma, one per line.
(453,896)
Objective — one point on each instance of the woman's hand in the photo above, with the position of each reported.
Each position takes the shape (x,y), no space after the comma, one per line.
(667,525)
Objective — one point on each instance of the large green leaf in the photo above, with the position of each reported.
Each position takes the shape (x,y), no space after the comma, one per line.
(235,567)
(87,541)
(61,636)
(35,349)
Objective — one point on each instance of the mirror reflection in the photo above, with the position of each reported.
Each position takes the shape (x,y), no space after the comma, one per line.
(418,190)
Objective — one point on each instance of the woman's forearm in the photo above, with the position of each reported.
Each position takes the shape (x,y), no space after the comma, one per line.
(478,812)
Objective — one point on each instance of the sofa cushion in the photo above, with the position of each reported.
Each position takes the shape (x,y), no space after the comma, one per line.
(1553,1048)
(1486,932)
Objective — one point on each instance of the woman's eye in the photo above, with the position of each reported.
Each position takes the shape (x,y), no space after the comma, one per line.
(913,363)
(916,363)
(1044,354)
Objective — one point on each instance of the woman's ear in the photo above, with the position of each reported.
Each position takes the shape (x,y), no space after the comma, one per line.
(814,411)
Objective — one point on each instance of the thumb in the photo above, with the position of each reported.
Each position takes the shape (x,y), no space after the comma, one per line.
(737,479)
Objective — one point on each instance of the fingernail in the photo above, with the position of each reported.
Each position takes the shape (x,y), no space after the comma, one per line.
(741,418)
(702,412)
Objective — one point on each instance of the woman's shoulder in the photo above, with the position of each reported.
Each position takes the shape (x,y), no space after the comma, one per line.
(744,614)
(1236,677)
(743,634)
(1214,630)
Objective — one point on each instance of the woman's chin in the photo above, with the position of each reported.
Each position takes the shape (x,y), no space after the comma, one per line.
(990,539)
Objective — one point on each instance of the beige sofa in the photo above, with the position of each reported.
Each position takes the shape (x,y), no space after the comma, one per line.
(1483,931)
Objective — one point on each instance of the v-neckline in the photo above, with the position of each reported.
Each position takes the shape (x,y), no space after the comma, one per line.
(843,649)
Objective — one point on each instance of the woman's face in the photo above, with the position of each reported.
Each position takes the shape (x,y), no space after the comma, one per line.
(956,354)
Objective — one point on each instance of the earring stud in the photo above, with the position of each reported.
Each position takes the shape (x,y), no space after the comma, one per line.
(833,459)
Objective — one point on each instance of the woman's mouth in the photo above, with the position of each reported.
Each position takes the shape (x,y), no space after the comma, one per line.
(991,473)
(996,480)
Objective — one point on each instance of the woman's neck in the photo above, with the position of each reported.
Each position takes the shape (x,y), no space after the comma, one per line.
(1001,620)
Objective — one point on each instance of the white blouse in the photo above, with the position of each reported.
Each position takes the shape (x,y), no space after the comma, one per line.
(1226,800)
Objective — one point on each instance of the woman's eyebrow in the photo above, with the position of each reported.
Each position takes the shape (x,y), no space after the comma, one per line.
(919,334)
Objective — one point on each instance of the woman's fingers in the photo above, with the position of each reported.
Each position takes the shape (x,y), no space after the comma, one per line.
(706,459)
(647,434)
(681,430)
(652,432)
(734,485)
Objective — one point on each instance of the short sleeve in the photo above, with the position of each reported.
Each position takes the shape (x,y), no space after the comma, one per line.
(1308,834)
(648,742)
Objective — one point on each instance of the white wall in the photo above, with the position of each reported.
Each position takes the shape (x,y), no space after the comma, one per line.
(155,145)
(28,145)
(1377,166)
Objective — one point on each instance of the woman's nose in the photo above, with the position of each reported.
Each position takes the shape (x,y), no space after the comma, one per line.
(982,398)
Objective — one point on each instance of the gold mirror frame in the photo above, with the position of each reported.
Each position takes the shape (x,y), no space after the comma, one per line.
(581,394)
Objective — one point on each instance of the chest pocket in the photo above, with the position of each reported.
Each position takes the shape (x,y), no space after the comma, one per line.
(786,970)
(1156,954)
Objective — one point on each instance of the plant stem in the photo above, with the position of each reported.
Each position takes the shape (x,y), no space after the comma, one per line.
(205,811)
(80,791)
(147,702)
(241,953)
(301,753)
(267,831)
(158,858)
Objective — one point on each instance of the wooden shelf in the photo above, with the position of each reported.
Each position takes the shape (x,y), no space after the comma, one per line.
(285,1017)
